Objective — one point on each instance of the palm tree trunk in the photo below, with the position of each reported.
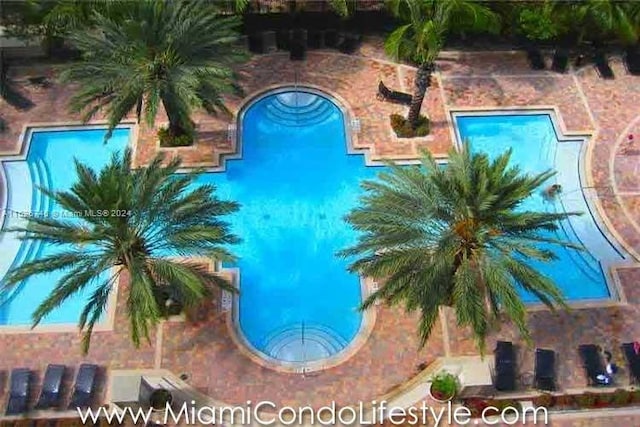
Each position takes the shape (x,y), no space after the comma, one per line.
(176,127)
(422,83)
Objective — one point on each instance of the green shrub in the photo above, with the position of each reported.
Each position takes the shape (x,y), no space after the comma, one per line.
(586,400)
(604,399)
(444,386)
(545,400)
(168,139)
(620,397)
(403,129)
(565,401)
(635,396)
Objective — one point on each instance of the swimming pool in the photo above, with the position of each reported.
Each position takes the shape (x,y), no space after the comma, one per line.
(536,145)
(295,183)
(49,164)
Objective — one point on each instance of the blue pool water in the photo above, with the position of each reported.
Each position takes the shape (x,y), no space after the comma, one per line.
(536,148)
(49,164)
(295,183)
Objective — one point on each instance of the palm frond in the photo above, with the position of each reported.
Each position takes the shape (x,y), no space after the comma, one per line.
(456,236)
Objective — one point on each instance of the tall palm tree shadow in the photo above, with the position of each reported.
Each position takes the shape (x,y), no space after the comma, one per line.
(14,96)
(9,89)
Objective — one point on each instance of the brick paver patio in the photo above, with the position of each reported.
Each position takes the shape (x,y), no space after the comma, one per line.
(201,347)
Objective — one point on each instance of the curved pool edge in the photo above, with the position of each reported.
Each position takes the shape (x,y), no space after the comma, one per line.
(367,323)
(593,203)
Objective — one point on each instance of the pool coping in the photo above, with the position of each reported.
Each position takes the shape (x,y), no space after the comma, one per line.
(587,139)
(367,286)
(21,155)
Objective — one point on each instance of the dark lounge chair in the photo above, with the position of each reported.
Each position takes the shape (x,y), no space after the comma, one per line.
(20,384)
(316,39)
(545,370)
(298,48)
(51,387)
(505,366)
(84,386)
(633,362)
(603,67)
(591,357)
(632,60)
(349,42)
(387,94)
(536,60)
(264,42)
(331,38)
(560,61)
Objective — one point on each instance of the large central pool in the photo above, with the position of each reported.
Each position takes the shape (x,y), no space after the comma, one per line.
(295,182)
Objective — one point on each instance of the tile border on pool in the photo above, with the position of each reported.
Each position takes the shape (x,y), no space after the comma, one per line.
(367,287)
(612,280)
(21,155)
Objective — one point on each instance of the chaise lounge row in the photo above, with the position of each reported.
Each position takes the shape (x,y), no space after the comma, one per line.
(560,61)
(51,393)
(591,358)
(505,368)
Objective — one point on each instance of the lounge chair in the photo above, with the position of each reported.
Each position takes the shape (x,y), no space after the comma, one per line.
(591,357)
(349,43)
(20,384)
(84,386)
(50,394)
(536,60)
(504,366)
(316,39)
(633,362)
(298,48)
(632,61)
(264,42)
(331,38)
(545,370)
(603,67)
(560,61)
(387,94)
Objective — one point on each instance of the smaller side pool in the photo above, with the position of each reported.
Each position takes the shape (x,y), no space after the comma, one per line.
(536,147)
(49,164)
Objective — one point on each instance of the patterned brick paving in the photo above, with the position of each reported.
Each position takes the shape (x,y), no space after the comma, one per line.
(201,346)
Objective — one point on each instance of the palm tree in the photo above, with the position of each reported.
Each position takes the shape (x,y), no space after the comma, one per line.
(456,237)
(158,217)
(422,37)
(65,16)
(607,17)
(176,53)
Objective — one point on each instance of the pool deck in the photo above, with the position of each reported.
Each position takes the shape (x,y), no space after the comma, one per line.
(202,348)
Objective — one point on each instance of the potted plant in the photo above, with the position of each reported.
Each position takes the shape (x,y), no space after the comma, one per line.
(444,387)
(160,398)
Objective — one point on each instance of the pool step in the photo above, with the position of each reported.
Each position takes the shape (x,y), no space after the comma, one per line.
(298,118)
(293,116)
(40,178)
(304,344)
(28,249)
